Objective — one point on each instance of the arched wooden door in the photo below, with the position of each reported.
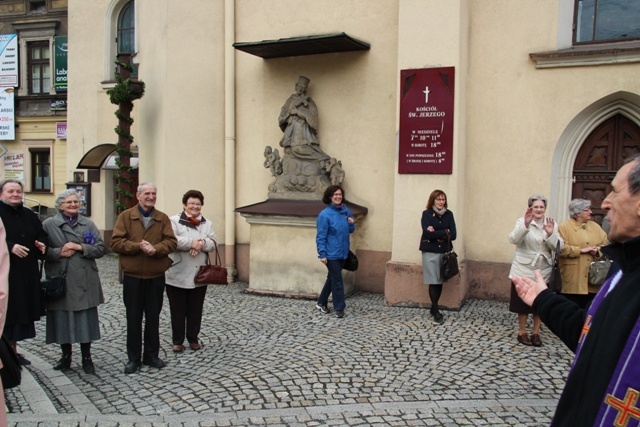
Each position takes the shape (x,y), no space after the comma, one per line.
(599,158)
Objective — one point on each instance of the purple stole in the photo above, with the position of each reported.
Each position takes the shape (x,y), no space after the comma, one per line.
(621,404)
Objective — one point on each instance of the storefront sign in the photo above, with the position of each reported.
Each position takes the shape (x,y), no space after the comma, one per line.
(61,130)
(426,121)
(7,117)
(60,61)
(9,60)
(14,165)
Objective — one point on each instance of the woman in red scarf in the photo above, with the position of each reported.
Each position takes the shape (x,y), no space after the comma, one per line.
(195,239)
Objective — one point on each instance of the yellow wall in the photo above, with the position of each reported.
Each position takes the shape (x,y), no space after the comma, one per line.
(511,121)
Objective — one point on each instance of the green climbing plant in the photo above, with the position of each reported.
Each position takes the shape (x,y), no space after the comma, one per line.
(123,94)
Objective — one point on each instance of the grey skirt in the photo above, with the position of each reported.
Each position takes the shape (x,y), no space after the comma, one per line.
(431,263)
(71,327)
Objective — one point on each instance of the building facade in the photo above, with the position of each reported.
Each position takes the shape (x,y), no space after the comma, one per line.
(537,108)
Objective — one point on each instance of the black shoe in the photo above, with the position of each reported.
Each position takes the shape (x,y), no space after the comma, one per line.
(339,314)
(438,318)
(64,363)
(22,360)
(322,308)
(131,367)
(87,366)
(154,362)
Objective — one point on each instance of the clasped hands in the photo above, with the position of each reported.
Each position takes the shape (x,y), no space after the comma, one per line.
(23,251)
(147,248)
(196,247)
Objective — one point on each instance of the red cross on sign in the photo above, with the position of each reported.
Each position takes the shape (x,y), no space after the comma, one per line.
(627,408)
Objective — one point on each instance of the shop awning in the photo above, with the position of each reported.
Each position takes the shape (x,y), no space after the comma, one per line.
(102,156)
(306,45)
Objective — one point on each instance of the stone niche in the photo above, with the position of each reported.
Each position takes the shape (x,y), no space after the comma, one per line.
(283,260)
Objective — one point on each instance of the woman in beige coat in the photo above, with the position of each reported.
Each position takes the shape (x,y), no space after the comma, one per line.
(186,300)
(535,237)
(583,239)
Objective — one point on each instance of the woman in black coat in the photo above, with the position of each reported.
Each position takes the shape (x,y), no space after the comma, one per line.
(438,226)
(26,241)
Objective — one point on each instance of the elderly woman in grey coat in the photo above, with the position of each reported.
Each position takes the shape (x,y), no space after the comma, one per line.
(74,245)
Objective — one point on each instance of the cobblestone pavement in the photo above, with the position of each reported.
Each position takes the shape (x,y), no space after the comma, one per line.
(280,362)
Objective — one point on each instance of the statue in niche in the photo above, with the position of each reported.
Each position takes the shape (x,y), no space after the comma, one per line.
(304,171)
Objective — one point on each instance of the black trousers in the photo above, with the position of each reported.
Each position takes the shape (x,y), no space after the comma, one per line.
(186,309)
(143,297)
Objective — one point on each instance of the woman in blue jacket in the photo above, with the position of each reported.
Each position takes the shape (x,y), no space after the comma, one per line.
(334,223)
(438,227)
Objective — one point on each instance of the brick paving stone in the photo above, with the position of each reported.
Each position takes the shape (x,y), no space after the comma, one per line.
(279,362)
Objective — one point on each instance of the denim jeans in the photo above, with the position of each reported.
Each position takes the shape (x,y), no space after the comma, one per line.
(333,285)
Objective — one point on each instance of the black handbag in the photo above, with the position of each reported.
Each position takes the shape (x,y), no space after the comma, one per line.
(351,263)
(10,373)
(53,288)
(449,266)
(555,281)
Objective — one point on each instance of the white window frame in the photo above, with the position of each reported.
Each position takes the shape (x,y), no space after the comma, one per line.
(24,38)
(110,34)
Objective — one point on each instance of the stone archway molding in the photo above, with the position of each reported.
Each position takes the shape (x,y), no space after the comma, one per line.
(572,138)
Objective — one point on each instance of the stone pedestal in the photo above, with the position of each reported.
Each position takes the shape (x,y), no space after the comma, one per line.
(283,259)
(404,287)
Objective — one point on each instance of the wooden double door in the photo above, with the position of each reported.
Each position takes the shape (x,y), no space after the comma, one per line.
(601,155)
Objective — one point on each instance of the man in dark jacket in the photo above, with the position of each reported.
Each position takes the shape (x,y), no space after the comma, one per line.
(144,239)
(603,386)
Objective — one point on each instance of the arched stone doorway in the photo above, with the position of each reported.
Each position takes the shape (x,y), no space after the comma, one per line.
(576,139)
(600,156)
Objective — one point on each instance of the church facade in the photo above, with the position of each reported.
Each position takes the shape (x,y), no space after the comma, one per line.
(536,107)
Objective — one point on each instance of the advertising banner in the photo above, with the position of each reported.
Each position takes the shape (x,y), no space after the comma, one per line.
(7,116)
(426,121)
(14,165)
(61,130)
(60,63)
(9,60)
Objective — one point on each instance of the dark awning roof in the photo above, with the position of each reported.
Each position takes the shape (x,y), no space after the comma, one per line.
(295,208)
(102,156)
(307,45)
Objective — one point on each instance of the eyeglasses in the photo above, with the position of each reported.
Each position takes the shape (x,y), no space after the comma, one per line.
(72,202)
(444,199)
(195,205)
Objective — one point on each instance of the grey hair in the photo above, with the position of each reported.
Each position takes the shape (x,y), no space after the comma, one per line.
(8,181)
(535,197)
(578,205)
(634,174)
(66,193)
(146,184)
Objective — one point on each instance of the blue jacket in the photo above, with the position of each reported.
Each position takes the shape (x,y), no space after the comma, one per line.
(332,238)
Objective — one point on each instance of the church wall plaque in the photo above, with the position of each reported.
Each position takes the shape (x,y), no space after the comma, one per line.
(426,121)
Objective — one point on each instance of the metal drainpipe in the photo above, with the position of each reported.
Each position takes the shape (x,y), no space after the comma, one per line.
(229,138)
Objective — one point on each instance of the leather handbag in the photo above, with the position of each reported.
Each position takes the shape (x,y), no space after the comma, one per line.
(598,271)
(555,281)
(449,266)
(211,274)
(53,288)
(11,370)
(351,263)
